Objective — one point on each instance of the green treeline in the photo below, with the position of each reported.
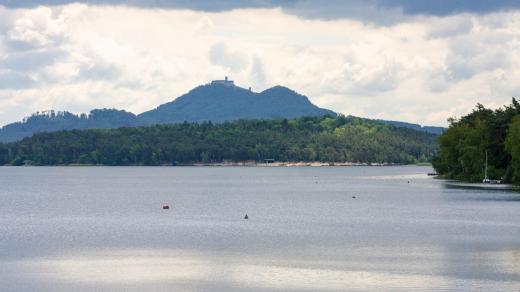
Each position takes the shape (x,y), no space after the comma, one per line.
(331,139)
(463,147)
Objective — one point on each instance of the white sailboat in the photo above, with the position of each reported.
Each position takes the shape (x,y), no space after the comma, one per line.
(486,180)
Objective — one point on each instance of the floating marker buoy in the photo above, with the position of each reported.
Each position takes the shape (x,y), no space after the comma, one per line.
(166,207)
(353,197)
(246,217)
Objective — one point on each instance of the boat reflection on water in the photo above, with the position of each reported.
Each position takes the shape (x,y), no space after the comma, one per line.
(460,191)
(481,186)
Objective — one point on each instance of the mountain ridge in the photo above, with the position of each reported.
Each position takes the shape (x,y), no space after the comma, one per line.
(218,101)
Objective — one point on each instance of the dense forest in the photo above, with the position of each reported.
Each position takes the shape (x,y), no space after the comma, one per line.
(463,147)
(330,139)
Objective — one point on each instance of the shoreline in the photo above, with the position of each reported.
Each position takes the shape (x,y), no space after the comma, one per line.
(235,164)
(290,164)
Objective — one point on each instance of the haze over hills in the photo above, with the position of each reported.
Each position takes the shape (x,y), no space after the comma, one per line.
(218,101)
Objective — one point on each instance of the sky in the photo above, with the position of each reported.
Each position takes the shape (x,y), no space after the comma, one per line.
(406,60)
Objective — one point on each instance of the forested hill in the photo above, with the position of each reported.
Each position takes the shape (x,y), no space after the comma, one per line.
(331,139)
(51,121)
(464,145)
(214,102)
(218,101)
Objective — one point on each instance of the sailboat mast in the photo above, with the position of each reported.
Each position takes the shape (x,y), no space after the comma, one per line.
(485,168)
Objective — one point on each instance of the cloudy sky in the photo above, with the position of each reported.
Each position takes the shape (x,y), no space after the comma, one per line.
(402,60)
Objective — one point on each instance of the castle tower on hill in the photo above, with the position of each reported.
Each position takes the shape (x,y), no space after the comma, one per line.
(225,82)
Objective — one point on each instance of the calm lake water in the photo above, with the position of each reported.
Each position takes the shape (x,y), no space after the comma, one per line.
(103,229)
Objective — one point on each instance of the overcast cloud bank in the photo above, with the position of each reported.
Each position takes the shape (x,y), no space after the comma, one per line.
(379,60)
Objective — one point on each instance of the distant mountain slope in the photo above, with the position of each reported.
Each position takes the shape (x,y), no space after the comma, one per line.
(417,127)
(51,121)
(219,103)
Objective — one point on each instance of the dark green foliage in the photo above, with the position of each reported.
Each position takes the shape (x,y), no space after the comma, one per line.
(513,147)
(333,139)
(464,145)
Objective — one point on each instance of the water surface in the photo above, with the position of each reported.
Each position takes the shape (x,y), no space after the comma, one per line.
(103,229)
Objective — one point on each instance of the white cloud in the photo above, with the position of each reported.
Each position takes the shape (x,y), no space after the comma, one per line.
(220,55)
(422,69)
(258,77)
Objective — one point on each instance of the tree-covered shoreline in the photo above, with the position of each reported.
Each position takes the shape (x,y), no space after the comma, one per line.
(327,139)
(463,147)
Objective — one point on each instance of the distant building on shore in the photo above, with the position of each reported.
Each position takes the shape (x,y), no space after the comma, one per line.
(225,82)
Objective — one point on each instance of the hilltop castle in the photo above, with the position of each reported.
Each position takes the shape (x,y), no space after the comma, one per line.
(225,82)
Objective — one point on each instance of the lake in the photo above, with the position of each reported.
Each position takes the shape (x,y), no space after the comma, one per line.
(104,229)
